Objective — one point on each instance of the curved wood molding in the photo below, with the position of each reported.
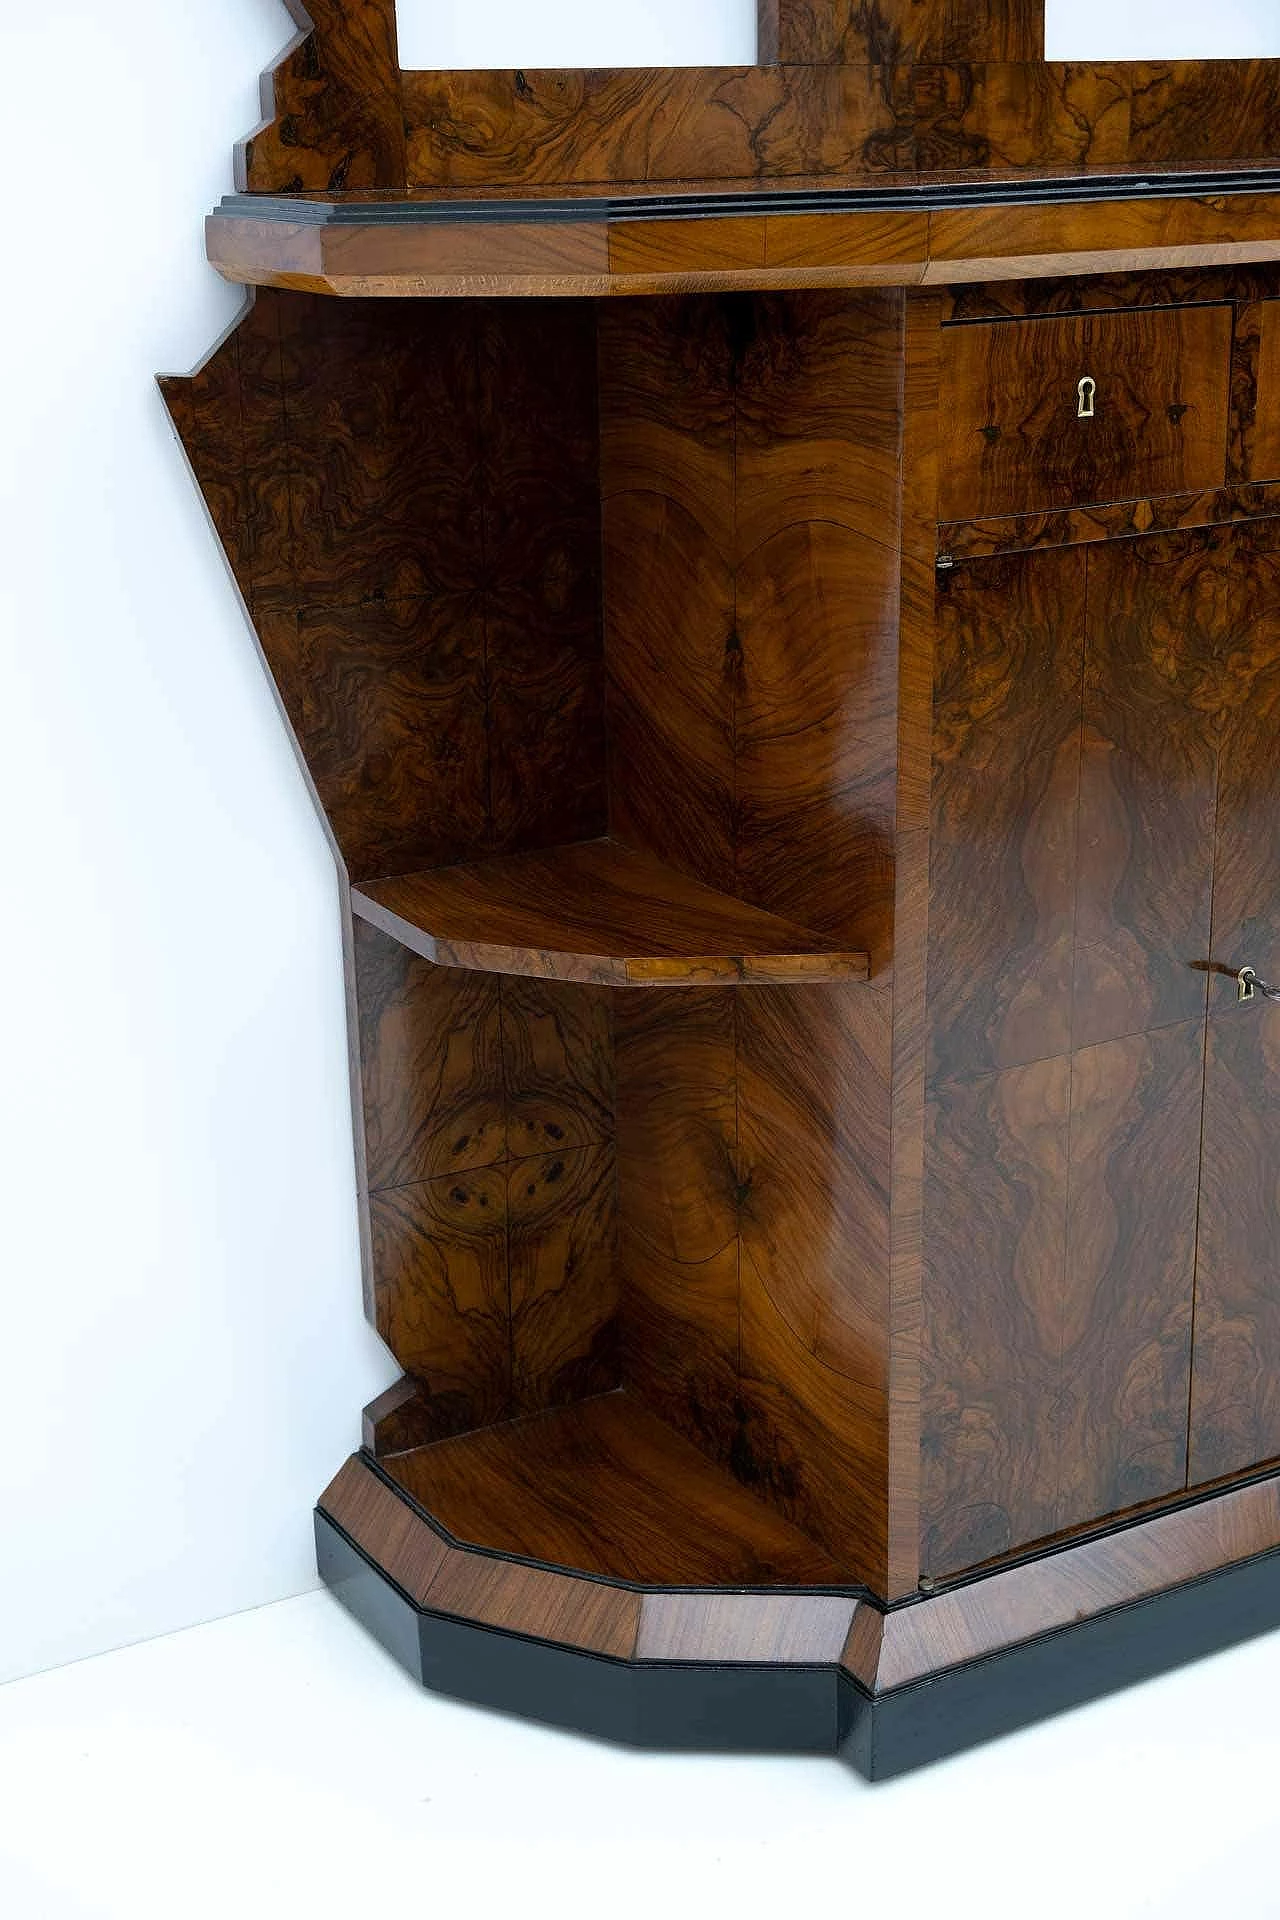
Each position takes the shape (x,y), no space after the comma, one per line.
(594,247)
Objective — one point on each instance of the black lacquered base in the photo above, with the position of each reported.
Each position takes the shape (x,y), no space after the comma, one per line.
(793,1709)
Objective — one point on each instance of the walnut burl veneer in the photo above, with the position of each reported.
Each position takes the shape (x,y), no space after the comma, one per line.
(599,913)
(867,632)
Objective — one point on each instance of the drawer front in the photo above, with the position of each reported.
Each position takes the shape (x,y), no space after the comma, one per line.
(1016,436)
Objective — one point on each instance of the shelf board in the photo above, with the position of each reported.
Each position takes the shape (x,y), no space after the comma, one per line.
(601,914)
(605,1488)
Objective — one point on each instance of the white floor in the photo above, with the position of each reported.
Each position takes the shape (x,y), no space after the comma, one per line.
(277,1763)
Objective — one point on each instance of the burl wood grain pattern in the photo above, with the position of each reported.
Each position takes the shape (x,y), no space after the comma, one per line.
(1103,292)
(658,124)
(333,110)
(408,494)
(431,1064)
(1264,456)
(607,1488)
(1235,1404)
(1066,1191)
(1013,441)
(887,32)
(882,1651)
(1235,1408)
(1060,1222)
(599,913)
(844,89)
(1126,520)
(1147,790)
(1010,659)
(750,486)
(678,1203)
(488,1121)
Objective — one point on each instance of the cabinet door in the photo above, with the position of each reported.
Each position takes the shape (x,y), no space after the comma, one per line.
(1075,774)
(1235,1406)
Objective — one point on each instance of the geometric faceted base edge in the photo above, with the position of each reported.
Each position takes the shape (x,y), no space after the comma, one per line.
(813,1672)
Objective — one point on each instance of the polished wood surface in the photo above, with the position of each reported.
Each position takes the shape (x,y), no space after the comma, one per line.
(1264,454)
(1077,1583)
(918,105)
(750,461)
(605,1487)
(599,913)
(821,31)
(599,252)
(917,639)
(333,108)
(1100,1186)
(546,1220)
(1012,438)
(881,1649)
(408,495)
(488,1110)
(793,633)
(1125,520)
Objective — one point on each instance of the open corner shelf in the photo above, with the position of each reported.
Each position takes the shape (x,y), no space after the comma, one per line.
(600,914)
(605,1488)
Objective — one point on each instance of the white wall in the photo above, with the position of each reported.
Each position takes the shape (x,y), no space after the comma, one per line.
(576,33)
(1159,29)
(182,1353)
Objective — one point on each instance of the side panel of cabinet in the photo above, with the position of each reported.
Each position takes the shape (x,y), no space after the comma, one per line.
(1073,796)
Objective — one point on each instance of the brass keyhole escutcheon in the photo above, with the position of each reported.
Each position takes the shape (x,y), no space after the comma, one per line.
(1250,987)
(1085,393)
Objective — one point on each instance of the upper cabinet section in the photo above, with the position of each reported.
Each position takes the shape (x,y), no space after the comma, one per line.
(1083,410)
(906,143)
(841,92)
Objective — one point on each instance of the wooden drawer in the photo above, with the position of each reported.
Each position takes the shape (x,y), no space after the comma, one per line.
(1012,440)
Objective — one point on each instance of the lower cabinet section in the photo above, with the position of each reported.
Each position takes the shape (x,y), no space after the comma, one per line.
(1102,1173)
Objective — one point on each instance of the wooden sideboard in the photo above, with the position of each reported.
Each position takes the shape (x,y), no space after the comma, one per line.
(799,743)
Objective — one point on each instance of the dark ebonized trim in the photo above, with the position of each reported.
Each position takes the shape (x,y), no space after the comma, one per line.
(931,196)
(683,1705)
(671,1704)
(960,1708)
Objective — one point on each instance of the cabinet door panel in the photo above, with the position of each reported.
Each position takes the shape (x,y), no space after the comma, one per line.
(1078,719)
(1147,778)
(1235,1419)
(1134,1151)
(1060,1217)
(1235,1401)
(995,1223)
(1013,440)
(1005,792)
